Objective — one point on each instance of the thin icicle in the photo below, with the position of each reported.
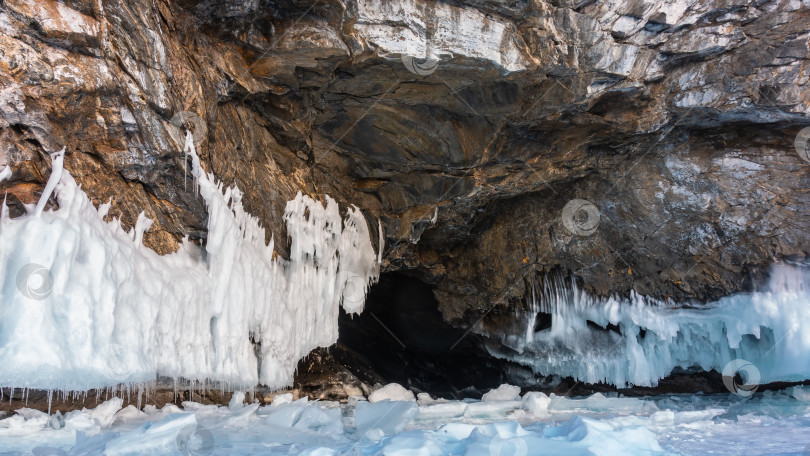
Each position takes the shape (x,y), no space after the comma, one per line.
(534,309)
(57,165)
(185,166)
(189,149)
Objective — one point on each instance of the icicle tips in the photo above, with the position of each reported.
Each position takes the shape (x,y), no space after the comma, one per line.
(188,130)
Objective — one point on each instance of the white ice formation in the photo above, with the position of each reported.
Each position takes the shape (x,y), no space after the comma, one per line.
(83,304)
(639,340)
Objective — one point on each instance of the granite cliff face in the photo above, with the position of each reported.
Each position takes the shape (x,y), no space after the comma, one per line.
(633,144)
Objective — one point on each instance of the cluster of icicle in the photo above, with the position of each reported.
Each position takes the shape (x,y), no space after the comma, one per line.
(84,304)
(639,340)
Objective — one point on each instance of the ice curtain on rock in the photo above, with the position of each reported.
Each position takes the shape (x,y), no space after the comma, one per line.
(638,340)
(84,304)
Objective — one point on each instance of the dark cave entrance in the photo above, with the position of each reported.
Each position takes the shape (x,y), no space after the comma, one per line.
(401,337)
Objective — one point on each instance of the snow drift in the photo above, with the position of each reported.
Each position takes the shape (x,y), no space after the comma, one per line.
(84,304)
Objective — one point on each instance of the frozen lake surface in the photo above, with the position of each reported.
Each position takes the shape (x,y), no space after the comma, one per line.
(769,423)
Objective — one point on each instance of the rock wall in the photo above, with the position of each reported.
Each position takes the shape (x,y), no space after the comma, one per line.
(634,144)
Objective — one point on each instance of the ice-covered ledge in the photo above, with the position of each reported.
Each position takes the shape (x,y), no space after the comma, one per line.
(437,30)
(83,304)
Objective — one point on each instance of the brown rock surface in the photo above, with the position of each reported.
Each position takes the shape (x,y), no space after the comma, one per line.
(676,120)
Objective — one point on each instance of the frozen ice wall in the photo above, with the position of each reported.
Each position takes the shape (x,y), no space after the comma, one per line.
(84,304)
(639,340)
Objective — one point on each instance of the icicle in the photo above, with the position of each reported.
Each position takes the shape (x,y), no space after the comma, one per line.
(534,309)
(57,162)
(189,149)
(381,242)
(638,340)
(5,174)
(142,225)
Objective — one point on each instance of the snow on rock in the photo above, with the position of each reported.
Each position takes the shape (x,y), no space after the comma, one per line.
(536,403)
(424,398)
(283,398)
(392,392)
(84,304)
(504,392)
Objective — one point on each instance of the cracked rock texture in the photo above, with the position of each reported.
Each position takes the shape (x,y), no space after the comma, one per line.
(464,126)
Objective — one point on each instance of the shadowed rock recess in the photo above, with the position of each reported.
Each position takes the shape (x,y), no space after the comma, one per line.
(466,127)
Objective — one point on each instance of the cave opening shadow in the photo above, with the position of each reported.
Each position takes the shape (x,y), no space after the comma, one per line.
(401,337)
